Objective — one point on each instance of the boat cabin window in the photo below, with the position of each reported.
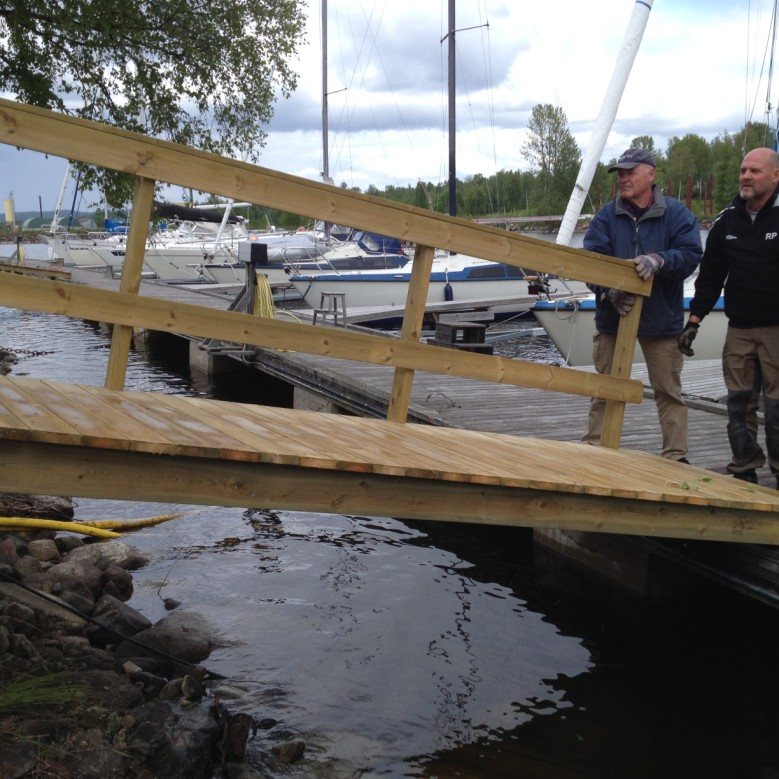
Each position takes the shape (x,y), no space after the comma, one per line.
(494,271)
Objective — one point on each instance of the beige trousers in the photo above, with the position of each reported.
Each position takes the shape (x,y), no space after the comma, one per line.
(664,364)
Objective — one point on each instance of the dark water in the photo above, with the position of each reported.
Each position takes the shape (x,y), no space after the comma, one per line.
(399,649)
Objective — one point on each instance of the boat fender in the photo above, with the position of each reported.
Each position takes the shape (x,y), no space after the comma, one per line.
(448,291)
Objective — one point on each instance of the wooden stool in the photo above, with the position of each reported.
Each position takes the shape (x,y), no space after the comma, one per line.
(331,304)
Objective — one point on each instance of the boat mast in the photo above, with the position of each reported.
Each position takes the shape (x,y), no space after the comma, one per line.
(605,118)
(325,151)
(56,217)
(325,111)
(452,122)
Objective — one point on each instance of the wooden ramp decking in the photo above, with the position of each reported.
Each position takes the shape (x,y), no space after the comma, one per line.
(88,441)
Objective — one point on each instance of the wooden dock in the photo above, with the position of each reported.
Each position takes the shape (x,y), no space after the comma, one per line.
(445,401)
(442,400)
(93,442)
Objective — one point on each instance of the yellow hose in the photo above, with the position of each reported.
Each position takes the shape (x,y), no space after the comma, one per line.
(263,297)
(27,523)
(132,524)
(102,528)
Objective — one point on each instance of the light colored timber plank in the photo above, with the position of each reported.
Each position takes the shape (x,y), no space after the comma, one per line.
(167,316)
(100,425)
(44,469)
(402,382)
(192,435)
(260,427)
(394,448)
(444,454)
(28,419)
(135,247)
(78,139)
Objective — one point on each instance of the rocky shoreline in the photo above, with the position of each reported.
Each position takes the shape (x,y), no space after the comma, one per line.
(89,688)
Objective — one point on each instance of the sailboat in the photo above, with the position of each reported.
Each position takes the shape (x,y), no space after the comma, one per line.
(454,278)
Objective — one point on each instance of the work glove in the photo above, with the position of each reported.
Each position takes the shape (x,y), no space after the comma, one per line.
(684,341)
(622,301)
(648,264)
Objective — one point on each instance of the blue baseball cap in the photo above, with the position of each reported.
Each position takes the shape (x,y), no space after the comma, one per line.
(632,157)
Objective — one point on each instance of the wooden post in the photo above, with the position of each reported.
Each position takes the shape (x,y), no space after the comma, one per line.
(143,200)
(624,350)
(397,411)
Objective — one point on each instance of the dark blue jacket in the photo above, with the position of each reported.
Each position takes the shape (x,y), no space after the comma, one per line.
(743,257)
(667,228)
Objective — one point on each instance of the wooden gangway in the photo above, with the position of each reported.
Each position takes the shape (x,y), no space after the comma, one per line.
(104,442)
(63,439)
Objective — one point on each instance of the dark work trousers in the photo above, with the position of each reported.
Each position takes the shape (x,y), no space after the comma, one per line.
(750,361)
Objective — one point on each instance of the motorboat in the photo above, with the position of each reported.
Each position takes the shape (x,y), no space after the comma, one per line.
(454,277)
(288,254)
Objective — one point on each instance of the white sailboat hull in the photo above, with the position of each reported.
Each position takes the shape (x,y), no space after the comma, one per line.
(570,325)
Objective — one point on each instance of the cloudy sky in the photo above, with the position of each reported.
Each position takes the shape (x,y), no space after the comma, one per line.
(702,68)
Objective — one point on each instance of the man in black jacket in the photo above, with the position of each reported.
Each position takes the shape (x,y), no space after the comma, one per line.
(742,255)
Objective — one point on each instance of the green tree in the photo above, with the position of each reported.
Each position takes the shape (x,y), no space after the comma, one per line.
(645,142)
(554,156)
(688,158)
(205,74)
(476,196)
(728,149)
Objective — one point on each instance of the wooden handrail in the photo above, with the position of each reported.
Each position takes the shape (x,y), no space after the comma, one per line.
(109,147)
(153,160)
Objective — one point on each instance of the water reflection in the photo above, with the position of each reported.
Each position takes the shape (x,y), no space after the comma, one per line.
(381,646)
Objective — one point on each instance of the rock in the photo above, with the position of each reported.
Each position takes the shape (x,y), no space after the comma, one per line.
(17,759)
(68,543)
(105,553)
(93,761)
(191,689)
(242,771)
(108,689)
(150,719)
(70,573)
(83,603)
(22,618)
(50,616)
(117,621)
(181,634)
(175,743)
(84,656)
(117,582)
(8,553)
(42,506)
(21,646)
(44,550)
(27,566)
(234,742)
(289,751)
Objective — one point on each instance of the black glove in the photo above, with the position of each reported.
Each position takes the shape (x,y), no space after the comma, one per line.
(684,341)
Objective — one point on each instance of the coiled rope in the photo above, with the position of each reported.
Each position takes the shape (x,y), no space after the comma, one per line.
(263,297)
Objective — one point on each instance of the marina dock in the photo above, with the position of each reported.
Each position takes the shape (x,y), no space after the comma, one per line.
(361,388)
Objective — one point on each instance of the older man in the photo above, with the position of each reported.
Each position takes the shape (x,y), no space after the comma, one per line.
(663,238)
(742,255)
